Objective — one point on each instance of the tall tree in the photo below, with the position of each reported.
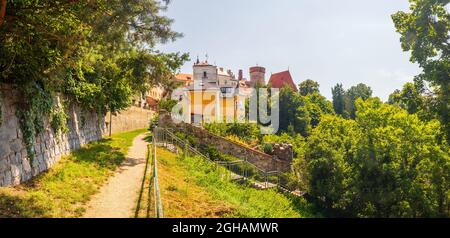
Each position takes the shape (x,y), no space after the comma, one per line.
(424,32)
(359,91)
(338,99)
(386,163)
(308,86)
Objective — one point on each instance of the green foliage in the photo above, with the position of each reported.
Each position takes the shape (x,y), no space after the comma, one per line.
(167,104)
(247,132)
(267,148)
(293,112)
(299,114)
(297,142)
(413,99)
(344,101)
(308,87)
(154,121)
(338,99)
(31,114)
(386,163)
(251,202)
(354,93)
(98,54)
(58,121)
(64,190)
(424,33)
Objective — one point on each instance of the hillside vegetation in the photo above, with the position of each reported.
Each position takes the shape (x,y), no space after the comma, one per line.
(64,189)
(192,188)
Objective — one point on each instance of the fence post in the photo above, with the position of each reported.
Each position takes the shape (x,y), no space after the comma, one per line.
(185,149)
(158,204)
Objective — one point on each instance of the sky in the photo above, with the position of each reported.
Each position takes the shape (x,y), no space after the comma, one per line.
(329,41)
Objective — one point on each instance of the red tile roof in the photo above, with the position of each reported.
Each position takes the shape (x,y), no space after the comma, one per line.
(152,102)
(183,77)
(279,80)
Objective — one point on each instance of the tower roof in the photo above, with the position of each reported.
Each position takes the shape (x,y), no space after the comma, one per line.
(279,80)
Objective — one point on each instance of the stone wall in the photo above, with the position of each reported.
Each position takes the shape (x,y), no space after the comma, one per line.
(283,151)
(261,160)
(15,166)
(128,120)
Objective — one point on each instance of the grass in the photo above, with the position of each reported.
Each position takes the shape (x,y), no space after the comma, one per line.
(67,187)
(191,188)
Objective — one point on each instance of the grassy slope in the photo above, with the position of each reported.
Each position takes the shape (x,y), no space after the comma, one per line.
(64,189)
(191,188)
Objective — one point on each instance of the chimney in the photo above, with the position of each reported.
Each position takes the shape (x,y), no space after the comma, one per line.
(241,75)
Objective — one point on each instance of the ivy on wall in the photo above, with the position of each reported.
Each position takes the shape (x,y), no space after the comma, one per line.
(91,52)
(32,113)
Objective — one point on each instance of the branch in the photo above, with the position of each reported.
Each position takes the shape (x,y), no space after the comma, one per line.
(2,12)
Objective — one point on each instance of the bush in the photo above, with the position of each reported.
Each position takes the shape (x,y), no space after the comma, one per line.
(387,163)
(248,133)
(268,148)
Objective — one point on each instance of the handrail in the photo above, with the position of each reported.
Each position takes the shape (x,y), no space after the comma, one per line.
(158,204)
(186,145)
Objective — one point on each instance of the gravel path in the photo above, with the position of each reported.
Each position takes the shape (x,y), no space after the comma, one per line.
(117,199)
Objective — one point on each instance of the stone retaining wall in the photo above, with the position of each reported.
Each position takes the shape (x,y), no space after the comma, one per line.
(128,120)
(15,166)
(259,159)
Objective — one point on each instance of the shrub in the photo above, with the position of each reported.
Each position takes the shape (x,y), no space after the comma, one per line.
(268,148)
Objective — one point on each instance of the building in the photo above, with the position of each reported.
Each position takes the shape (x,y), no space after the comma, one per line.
(257,76)
(213,95)
(183,79)
(282,79)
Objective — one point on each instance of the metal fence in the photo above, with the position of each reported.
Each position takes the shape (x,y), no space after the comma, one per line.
(159,212)
(239,170)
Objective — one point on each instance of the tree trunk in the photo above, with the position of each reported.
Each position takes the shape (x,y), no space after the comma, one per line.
(2,11)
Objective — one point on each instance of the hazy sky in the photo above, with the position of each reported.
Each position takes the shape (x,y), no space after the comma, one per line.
(329,41)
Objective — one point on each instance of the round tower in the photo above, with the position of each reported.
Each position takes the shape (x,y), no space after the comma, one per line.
(257,74)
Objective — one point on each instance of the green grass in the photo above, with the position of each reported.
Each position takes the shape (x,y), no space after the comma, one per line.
(235,199)
(65,188)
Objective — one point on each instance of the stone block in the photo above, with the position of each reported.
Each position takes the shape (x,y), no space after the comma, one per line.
(5,150)
(7,180)
(4,165)
(26,166)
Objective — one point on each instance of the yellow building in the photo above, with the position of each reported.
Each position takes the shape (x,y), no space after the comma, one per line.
(213,96)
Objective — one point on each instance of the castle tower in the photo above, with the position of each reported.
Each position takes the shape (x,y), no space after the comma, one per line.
(257,74)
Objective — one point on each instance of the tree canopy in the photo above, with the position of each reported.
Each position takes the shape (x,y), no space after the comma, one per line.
(96,53)
(424,32)
(386,163)
(308,86)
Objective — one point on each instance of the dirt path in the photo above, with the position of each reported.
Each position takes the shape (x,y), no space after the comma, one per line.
(117,199)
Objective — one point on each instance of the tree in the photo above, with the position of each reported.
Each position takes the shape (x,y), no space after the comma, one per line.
(359,91)
(293,112)
(317,106)
(409,98)
(309,86)
(386,163)
(338,99)
(98,54)
(424,33)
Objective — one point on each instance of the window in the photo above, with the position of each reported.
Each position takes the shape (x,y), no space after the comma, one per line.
(226,90)
(205,75)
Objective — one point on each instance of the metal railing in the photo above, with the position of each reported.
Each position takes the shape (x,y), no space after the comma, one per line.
(235,170)
(159,213)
